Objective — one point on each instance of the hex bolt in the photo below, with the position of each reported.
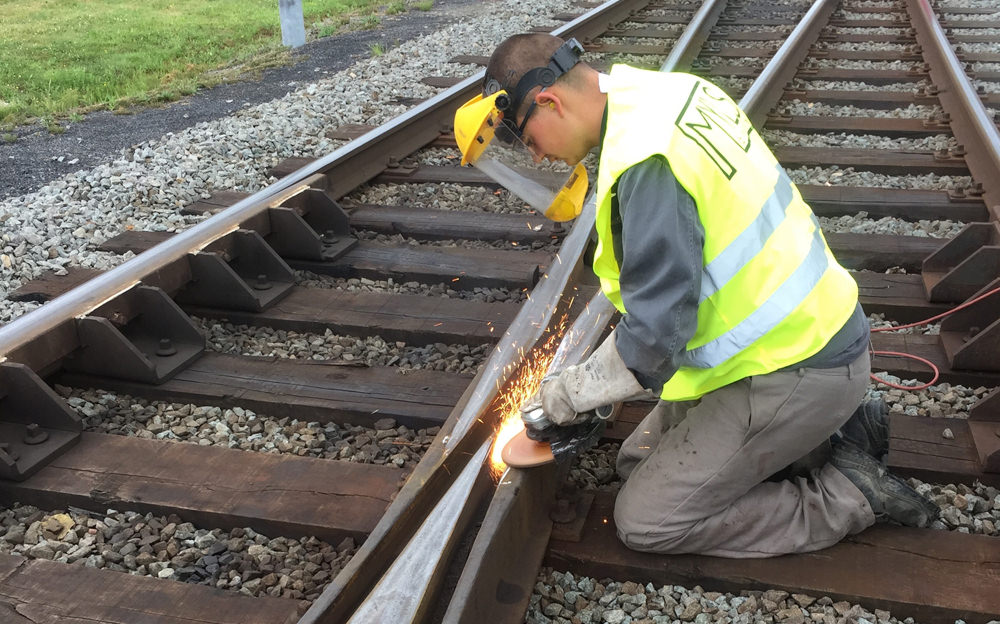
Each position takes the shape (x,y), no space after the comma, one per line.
(33,434)
(166,348)
(971,333)
(261,283)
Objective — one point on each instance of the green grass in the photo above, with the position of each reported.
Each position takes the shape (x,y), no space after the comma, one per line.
(423,5)
(62,57)
(395,7)
(377,49)
(369,22)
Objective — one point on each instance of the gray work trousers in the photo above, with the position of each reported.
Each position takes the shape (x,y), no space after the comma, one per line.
(695,470)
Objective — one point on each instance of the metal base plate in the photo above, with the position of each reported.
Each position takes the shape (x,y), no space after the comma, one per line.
(523,452)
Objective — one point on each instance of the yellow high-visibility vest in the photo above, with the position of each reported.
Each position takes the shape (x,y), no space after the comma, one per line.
(772,293)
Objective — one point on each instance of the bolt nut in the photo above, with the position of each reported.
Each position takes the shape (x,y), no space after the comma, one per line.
(166,348)
(261,283)
(33,434)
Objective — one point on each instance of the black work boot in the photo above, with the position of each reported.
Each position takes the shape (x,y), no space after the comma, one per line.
(868,428)
(888,495)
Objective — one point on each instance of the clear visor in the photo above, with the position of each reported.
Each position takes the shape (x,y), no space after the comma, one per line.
(552,188)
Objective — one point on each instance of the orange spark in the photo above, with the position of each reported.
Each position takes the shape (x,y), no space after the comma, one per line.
(537,364)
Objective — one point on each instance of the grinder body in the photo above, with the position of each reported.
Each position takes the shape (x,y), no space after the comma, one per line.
(543,442)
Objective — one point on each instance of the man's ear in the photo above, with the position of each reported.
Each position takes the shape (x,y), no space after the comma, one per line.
(548,99)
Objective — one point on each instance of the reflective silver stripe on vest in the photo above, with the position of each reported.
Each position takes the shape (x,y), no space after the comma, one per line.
(750,241)
(762,320)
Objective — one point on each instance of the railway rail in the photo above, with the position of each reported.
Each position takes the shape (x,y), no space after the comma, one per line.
(440,539)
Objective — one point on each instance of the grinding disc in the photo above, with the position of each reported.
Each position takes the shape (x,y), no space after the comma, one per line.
(523,452)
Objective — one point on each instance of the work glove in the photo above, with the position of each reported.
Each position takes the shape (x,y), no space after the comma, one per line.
(603,379)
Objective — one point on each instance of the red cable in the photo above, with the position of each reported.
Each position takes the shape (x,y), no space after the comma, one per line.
(920,359)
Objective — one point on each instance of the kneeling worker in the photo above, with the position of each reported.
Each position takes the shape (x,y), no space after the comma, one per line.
(734,311)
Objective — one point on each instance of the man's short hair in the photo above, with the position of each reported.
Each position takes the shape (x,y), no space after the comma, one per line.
(516,56)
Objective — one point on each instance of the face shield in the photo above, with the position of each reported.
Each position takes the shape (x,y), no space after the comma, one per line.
(489,137)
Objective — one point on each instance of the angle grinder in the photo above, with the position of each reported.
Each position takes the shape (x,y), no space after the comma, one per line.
(542,441)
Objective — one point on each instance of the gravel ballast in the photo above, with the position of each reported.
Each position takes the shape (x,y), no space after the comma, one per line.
(848,176)
(166,547)
(562,598)
(861,223)
(257,341)
(390,286)
(386,443)
(861,141)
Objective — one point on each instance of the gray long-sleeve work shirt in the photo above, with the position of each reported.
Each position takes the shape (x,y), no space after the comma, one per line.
(658,243)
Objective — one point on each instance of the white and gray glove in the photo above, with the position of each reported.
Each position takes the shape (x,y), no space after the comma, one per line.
(603,379)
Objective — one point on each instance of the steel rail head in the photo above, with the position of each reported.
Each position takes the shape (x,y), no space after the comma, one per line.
(766,90)
(691,41)
(971,122)
(518,512)
(581,338)
(407,591)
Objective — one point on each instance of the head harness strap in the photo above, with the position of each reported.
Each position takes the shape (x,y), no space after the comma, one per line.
(561,61)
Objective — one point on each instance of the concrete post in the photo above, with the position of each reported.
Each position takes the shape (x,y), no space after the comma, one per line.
(293,29)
